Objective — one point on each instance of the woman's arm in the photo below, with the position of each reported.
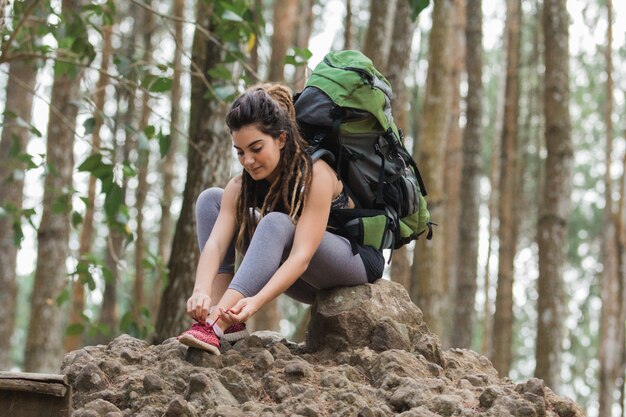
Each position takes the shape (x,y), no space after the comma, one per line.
(214,251)
(308,236)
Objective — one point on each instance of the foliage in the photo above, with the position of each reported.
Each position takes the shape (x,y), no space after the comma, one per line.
(417,6)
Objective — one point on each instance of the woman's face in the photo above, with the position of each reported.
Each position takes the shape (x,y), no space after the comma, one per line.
(258,152)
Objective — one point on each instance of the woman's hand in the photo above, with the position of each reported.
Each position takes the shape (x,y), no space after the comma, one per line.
(198,306)
(242,311)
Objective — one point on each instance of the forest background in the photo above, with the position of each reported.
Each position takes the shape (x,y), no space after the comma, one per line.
(113,123)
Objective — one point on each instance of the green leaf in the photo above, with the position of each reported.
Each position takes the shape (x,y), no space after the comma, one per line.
(292,60)
(74,329)
(89,124)
(18,234)
(35,131)
(300,57)
(417,6)
(108,275)
(113,201)
(91,163)
(63,297)
(88,279)
(165,141)
(77,219)
(27,159)
(150,131)
(220,72)
(160,85)
(303,53)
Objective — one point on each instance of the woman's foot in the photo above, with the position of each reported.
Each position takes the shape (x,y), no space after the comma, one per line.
(236,332)
(201,336)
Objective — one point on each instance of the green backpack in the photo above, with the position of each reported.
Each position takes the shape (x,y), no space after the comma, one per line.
(344,112)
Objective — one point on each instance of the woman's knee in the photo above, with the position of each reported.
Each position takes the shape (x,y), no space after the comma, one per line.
(275,222)
(209,199)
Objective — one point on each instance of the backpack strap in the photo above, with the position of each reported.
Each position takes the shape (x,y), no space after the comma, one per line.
(333,140)
(325,154)
(395,143)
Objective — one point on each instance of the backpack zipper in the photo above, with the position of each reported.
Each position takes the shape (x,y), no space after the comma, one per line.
(363,73)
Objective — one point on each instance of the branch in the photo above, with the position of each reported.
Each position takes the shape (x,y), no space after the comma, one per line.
(199,27)
(16,30)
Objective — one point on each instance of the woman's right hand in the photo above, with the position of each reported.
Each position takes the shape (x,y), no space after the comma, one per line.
(198,306)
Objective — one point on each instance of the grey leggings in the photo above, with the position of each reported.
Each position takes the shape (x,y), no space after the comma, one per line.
(332,265)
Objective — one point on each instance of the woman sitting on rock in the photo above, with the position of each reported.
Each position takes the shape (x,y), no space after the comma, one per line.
(276,213)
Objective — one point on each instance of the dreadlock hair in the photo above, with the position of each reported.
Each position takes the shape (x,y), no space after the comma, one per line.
(269,108)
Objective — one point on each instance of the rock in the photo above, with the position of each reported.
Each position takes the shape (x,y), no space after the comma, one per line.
(375,358)
(152,383)
(227,411)
(489,396)
(418,412)
(564,407)
(298,369)
(380,316)
(197,383)
(400,363)
(90,378)
(199,357)
(101,407)
(263,360)
(445,405)
(178,407)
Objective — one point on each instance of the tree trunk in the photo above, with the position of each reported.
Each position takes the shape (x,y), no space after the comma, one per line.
(74,342)
(453,164)
(554,213)
(428,261)
(397,67)
(609,349)
(19,99)
(347,32)
(126,109)
(166,227)
(462,333)
(43,354)
(285,18)
(503,318)
(305,27)
(208,164)
(3,5)
(143,159)
(376,46)
(622,290)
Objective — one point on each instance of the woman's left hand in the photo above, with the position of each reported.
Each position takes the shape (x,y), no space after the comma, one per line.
(243,310)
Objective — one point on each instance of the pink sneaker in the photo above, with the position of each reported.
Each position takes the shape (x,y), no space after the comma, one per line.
(236,332)
(201,336)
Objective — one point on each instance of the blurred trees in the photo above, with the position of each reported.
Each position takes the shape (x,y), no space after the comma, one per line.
(555,202)
(43,353)
(146,128)
(508,223)
(467,281)
(16,131)
(428,262)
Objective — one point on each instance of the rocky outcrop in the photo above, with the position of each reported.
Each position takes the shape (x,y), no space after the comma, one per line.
(369,355)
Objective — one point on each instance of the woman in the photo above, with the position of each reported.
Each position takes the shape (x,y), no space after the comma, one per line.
(276,213)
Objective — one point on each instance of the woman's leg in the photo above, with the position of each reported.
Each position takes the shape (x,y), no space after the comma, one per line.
(207,209)
(332,265)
